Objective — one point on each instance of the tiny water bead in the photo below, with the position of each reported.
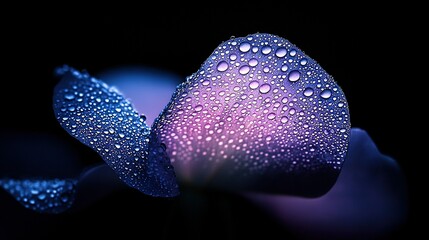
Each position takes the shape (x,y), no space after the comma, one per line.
(44,196)
(261,122)
(107,122)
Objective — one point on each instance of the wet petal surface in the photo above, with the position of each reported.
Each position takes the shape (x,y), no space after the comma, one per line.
(258,115)
(44,196)
(101,118)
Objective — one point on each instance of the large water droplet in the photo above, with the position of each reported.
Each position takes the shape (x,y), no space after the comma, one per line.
(198,108)
(271,116)
(69,96)
(281,52)
(233,57)
(265,88)
(326,94)
(284,119)
(308,92)
(254,85)
(292,53)
(222,66)
(244,47)
(284,68)
(294,75)
(303,61)
(266,50)
(253,62)
(244,70)
(206,82)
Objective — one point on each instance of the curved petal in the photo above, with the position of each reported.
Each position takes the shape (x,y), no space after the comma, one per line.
(258,115)
(101,118)
(368,200)
(149,89)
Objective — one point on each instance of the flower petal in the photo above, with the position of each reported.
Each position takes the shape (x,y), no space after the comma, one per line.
(368,201)
(258,115)
(45,196)
(101,118)
(143,85)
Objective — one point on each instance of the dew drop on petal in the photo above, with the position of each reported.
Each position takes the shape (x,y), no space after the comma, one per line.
(294,76)
(326,94)
(265,88)
(222,66)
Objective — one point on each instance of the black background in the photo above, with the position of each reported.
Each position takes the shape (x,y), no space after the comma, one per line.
(362,48)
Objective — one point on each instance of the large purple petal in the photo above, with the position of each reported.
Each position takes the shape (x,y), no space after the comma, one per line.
(101,118)
(258,115)
(368,200)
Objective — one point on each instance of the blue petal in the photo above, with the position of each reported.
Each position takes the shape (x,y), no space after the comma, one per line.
(101,118)
(44,196)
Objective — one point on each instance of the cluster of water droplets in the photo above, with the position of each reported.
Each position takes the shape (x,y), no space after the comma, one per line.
(258,105)
(100,117)
(44,196)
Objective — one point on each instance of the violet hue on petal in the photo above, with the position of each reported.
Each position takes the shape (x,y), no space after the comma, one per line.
(368,200)
(259,115)
(149,89)
(101,118)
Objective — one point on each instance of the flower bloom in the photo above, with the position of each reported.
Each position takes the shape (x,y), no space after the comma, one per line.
(259,116)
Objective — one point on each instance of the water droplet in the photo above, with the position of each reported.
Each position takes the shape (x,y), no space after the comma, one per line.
(340,104)
(254,49)
(271,116)
(143,117)
(308,92)
(284,68)
(284,119)
(41,197)
(244,70)
(121,135)
(206,82)
(222,66)
(208,139)
(69,96)
(198,108)
(71,109)
(265,88)
(253,62)
(266,69)
(303,61)
(326,94)
(111,130)
(233,57)
(281,52)
(244,47)
(266,50)
(292,53)
(254,85)
(292,111)
(284,100)
(117,146)
(118,110)
(294,75)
